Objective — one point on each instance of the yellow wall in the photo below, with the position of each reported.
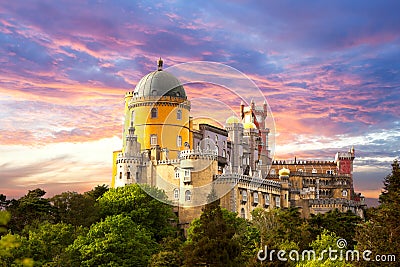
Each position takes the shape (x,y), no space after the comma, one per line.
(166,126)
(114,167)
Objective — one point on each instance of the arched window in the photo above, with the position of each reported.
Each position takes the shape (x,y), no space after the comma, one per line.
(179,114)
(278,201)
(154,113)
(266,199)
(244,195)
(188,195)
(243,213)
(223,153)
(179,141)
(255,197)
(176,193)
(344,193)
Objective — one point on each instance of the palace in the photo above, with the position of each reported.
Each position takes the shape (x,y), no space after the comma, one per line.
(164,147)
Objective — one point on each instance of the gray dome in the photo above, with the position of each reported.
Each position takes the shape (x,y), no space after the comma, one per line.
(159,83)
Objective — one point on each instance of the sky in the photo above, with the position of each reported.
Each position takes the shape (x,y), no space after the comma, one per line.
(329,70)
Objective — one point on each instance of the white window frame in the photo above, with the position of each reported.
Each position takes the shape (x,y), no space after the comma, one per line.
(266,199)
(244,195)
(176,193)
(278,201)
(188,195)
(177,174)
(186,175)
(153,139)
(178,141)
(255,197)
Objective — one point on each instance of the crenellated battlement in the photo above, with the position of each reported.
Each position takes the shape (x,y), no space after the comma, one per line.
(198,154)
(303,162)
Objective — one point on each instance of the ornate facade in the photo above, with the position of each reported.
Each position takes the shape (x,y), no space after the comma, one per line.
(164,148)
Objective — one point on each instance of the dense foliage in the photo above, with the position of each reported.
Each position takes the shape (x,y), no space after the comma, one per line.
(127,227)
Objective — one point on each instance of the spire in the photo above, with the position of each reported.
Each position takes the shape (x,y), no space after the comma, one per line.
(159,64)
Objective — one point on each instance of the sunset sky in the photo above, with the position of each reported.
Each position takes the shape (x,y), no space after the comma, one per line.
(329,70)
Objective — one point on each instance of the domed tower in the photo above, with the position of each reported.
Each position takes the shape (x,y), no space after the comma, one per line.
(159,110)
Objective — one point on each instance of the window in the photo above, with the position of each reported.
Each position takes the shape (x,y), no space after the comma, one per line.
(266,199)
(188,195)
(178,141)
(344,193)
(177,174)
(153,139)
(154,113)
(244,195)
(176,193)
(314,171)
(128,175)
(255,197)
(243,213)
(223,153)
(179,114)
(331,172)
(278,201)
(186,177)
(120,175)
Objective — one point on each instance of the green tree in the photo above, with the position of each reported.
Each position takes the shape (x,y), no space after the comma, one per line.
(324,243)
(211,240)
(342,223)
(170,254)
(3,202)
(31,208)
(76,209)
(98,191)
(116,241)
(47,242)
(142,208)
(381,233)
(10,246)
